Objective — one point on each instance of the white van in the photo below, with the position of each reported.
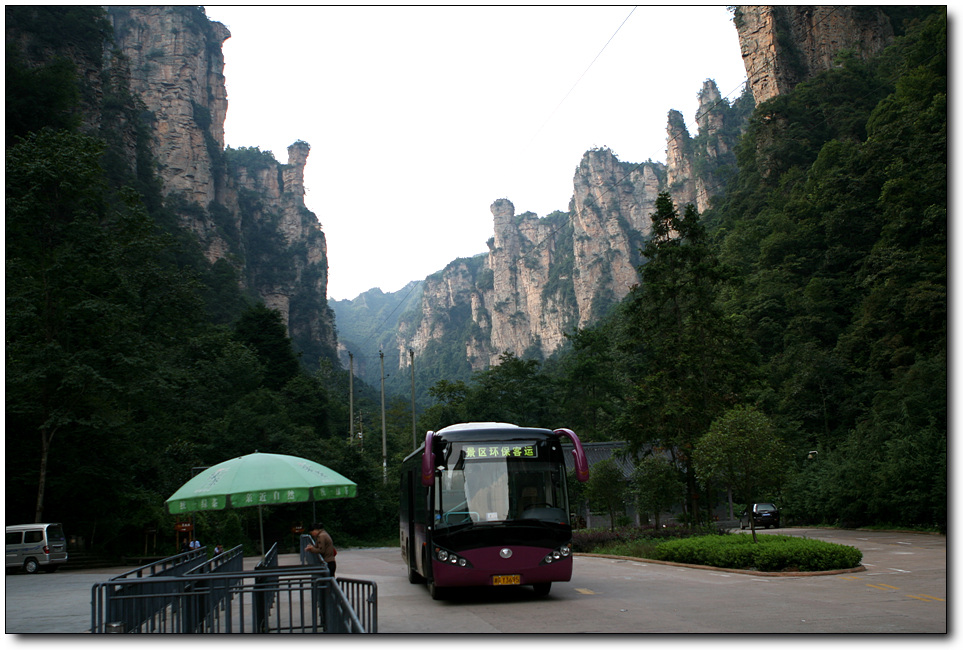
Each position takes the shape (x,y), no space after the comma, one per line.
(36,546)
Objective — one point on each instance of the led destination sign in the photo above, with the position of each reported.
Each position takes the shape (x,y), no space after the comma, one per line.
(476,451)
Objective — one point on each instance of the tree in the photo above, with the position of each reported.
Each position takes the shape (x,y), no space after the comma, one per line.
(689,356)
(514,391)
(263,330)
(743,452)
(449,408)
(92,308)
(657,485)
(606,489)
(590,389)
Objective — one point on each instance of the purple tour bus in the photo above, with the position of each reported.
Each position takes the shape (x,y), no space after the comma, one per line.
(485,503)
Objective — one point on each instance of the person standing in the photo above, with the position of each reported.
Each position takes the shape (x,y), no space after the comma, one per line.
(323,546)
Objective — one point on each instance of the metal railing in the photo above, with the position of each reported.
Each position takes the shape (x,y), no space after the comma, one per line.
(311,559)
(206,603)
(363,598)
(148,601)
(217,599)
(173,565)
(265,588)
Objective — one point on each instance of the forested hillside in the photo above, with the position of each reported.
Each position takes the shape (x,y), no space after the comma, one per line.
(813,291)
(130,358)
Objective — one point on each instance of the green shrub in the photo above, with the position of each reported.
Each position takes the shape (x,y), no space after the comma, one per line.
(770,553)
(601,540)
(640,548)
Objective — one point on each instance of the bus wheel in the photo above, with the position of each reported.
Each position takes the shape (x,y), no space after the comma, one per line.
(542,588)
(436,593)
(31,565)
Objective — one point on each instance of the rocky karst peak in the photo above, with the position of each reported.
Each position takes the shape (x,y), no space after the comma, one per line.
(245,207)
(177,67)
(784,45)
(293,172)
(680,175)
(711,114)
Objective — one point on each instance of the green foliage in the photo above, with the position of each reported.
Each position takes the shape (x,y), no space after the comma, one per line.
(78,29)
(687,358)
(657,485)
(606,489)
(814,289)
(263,330)
(741,450)
(771,553)
(607,540)
(250,158)
(589,388)
(39,96)
(121,374)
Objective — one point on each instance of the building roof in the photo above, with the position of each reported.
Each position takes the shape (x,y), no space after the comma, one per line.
(596,452)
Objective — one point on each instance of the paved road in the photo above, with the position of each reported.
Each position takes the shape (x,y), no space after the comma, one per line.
(902,590)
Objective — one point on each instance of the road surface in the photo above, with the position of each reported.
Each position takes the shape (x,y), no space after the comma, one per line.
(902,590)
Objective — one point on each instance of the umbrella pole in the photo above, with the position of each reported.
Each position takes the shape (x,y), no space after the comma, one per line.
(260,519)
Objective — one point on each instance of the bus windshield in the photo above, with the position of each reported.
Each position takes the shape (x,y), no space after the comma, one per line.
(500,482)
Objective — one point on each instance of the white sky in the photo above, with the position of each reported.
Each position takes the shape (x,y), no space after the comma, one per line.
(420,117)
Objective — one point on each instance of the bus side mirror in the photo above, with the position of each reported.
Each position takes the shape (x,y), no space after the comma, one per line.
(581,462)
(428,460)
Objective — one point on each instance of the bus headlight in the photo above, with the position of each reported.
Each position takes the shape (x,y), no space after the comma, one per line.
(451,558)
(557,554)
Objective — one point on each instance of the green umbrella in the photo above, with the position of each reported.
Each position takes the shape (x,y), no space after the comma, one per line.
(259,480)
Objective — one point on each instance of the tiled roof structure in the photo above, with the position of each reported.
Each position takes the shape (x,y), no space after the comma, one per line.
(596,452)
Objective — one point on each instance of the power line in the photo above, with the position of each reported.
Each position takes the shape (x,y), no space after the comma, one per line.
(577,81)
(552,114)
(768,66)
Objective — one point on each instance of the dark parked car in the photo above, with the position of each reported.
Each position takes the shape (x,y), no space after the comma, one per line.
(765,514)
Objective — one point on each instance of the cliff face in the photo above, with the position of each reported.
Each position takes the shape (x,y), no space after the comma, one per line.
(784,45)
(177,68)
(544,276)
(247,211)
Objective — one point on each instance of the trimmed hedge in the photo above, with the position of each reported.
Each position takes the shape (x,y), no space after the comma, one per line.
(589,540)
(770,553)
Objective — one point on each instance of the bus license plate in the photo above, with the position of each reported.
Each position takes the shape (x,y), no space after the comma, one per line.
(507,580)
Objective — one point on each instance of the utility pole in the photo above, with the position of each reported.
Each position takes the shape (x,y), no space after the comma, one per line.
(384,437)
(351,397)
(414,436)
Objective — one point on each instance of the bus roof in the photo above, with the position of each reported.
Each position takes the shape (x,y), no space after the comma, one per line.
(471,426)
(491,431)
